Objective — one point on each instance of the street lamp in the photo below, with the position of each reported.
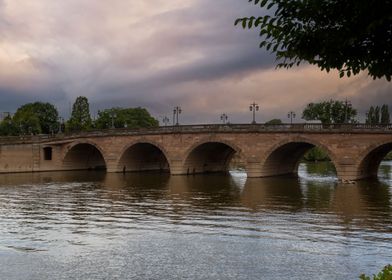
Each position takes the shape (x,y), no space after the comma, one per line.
(165,120)
(177,111)
(253,108)
(291,116)
(61,121)
(347,104)
(224,118)
(21,128)
(113,115)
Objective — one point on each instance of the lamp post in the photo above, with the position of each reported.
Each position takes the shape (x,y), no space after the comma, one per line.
(165,120)
(224,118)
(113,115)
(253,108)
(347,104)
(61,121)
(177,111)
(21,129)
(291,116)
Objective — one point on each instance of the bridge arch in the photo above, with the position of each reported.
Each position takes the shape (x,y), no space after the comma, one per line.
(209,156)
(84,155)
(143,156)
(369,163)
(284,157)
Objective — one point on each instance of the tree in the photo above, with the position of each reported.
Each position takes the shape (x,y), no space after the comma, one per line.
(385,117)
(125,117)
(274,122)
(316,154)
(332,111)
(80,118)
(37,117)
(370,115)
(350,36)
(8,128)
(376,116)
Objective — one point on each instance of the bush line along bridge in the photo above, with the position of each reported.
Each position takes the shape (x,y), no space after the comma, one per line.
(356,150)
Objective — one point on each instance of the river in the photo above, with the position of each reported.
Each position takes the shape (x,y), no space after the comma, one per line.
(92,225)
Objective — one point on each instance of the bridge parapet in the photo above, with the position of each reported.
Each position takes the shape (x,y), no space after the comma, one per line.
(208,128)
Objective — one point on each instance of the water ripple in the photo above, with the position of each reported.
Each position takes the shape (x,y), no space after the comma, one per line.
(252,227)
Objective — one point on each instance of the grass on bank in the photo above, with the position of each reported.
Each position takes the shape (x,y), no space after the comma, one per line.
(384,274)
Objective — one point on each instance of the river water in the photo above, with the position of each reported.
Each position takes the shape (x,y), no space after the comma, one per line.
(91,225)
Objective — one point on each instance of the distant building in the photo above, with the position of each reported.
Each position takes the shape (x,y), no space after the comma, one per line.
(4,115)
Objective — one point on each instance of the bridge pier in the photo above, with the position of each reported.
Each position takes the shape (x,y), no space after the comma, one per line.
(254,168)
(112,168)
(347,169)
(177,167)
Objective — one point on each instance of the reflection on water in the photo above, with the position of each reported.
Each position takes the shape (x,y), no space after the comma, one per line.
(92,225)
(323,171)
(385,172)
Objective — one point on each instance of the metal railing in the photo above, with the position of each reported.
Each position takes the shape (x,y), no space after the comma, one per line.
(205,128)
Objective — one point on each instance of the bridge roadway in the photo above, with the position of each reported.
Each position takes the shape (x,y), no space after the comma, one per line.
(356,150)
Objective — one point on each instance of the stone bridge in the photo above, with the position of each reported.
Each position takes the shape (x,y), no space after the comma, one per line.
(356,150)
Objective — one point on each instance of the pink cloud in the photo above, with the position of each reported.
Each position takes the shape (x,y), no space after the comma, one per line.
(157,55)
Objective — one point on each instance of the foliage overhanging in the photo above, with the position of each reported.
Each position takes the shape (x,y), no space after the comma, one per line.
(350,36)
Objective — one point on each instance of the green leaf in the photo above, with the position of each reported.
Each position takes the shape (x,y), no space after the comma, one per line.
(322,33)
(262,44)
(237,21)
(244,23)
(262,4)
(270,5)
(250,22)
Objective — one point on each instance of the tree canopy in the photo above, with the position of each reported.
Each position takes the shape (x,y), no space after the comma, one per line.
(8,128)
(37,117)
(350,36)
(332,111)
(125,117)
(274,122)
(80,117)
(385,117)
(375,115)
(316,154)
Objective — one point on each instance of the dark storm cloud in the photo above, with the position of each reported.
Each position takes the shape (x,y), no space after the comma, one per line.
(155,55)
(11,99)
(375,93)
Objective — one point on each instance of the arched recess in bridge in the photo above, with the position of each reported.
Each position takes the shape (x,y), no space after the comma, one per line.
(371,160)
(209,157)
(284,158)
(84,156)
(143,156)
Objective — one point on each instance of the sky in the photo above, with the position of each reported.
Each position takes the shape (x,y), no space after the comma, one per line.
(158,54)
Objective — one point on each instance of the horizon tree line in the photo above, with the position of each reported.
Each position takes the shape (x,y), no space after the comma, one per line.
(43,118)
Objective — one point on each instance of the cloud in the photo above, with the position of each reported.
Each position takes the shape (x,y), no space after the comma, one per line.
(155,54)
